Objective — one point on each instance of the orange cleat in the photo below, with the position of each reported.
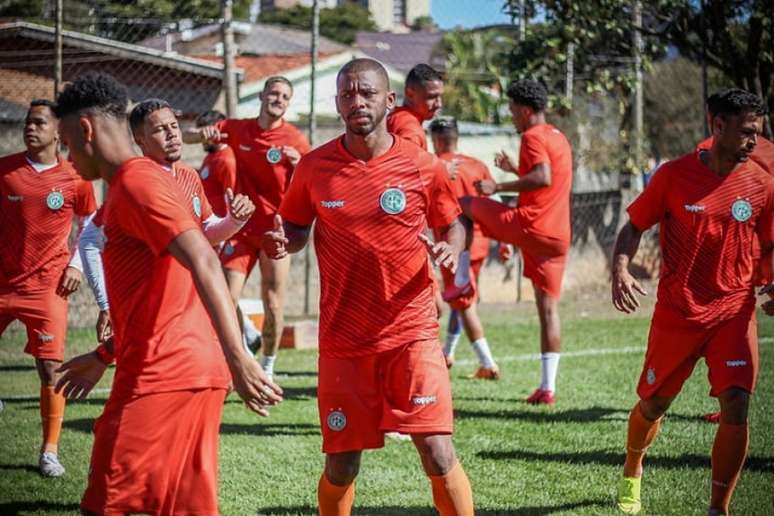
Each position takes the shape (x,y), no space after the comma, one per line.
(542,397)
(486,373)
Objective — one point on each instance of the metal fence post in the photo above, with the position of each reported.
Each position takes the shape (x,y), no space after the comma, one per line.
(58,48)
(229,79)
(312,138)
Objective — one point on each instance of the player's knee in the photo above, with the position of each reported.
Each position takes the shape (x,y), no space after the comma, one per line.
(47,370)
(437,454)
(342,468)
(655,407)
(734,405)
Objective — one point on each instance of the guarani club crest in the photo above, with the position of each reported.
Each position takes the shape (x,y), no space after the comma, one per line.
(55,200)
(741,210)
(393,201)
(274,155)
(197,205)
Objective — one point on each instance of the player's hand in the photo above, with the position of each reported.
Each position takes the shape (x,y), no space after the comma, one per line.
(768,306)
(274,241)
(503,162)
(504,252)
(485,186)
(211,134)
(104,326)
(80,375)
(451,168)
(240,206)
(293,155)
(625,289)
(254,387)
(70,281)
(441,253)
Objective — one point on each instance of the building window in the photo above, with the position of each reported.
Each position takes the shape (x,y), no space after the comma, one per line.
(399,12)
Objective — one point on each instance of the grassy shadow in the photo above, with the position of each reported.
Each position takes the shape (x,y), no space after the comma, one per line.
(15,508)
(585,415)
(272,429)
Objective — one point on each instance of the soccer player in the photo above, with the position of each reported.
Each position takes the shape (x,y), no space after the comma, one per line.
(267,150)
(540,225)
(176,339)
(219,169)
(467,171)
(422,100)
(710,205)
(41,193)
(381,368)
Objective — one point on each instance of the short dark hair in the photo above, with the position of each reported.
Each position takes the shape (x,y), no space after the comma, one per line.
(94,91)
(735,101)
(528,93)
(210,117)
(444,125)
(50,104)
(421,74)
(364,64)
(275,79)
(141,111)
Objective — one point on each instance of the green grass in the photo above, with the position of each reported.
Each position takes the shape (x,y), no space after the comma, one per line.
(521,459)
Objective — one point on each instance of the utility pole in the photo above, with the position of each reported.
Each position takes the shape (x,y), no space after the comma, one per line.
(312,138)
(569,76)
(522,20)
(58,48)
(638,115)
(229,78)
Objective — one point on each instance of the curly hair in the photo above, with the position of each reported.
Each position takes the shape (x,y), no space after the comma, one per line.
(528,93)
(93,91)
(141,111)
(421,74)
(735,101)
(444,125)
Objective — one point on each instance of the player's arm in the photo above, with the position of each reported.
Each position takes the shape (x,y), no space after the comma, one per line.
(538,177)
(765,231)
(625,286)
(451,242)
(90,247)
(72,275)
(240,209)
(206,134)
(284,238)
(80,374)
(193,250)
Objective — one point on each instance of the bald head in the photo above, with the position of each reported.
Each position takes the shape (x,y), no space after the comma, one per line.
(365,64)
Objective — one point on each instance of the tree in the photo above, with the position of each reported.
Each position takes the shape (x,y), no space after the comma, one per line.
(339,23)
(424,23)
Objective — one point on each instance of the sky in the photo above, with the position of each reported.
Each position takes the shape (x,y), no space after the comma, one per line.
(467,13)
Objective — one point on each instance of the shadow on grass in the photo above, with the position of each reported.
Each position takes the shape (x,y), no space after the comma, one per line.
(19,467)
(295,374)
(288,394)
(428,511)
(605,458)
(35,400)
(550,415)
(271,429)
(14,508)
(17,367)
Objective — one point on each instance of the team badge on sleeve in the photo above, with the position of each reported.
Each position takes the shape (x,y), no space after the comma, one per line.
(741,210)
(204,173)
(55,200)
(337,420)
(197,205)
(393,201)
(274,155)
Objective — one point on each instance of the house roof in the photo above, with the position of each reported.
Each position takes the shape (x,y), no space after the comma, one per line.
(402,51)
(260,67)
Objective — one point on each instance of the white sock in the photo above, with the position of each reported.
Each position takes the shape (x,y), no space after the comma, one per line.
(481,348)
(462,276)
(550,362)
(251,332)
(452,339)
(267,363)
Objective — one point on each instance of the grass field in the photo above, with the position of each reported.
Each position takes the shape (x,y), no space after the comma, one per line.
(521,459)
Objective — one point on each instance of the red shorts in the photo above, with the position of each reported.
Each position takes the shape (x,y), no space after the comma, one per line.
(544,258)
(730,350)
(240,254)
(403,390)
(44,314)
(156,454)
(465,301)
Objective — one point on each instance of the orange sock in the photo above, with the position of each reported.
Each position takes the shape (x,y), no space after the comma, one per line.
(728,454)
(334,500)
(52,406)
(642,431)
(452,494)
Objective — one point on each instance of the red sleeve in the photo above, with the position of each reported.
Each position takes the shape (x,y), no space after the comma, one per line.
(533,152)
(85,203)
(649,207)
(442,206)
(206,206)
(296,206)
(485,174)
(228,166)
(149,207)
(229,126)
(765,227)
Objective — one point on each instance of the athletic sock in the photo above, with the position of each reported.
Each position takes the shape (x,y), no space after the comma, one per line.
(462,276)
(484,354)
(267,363)
(334,500)
(453,333)
(728,454)
(452,494)
(52,407)
(641,433)
(550,366)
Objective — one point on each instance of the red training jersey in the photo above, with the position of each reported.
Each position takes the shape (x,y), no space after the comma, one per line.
(763,153)
(218,172)
(468,171)
(36,217)
(707,229)
(263,170)
(404,123)
(191,187)
(376,283)
(163,336)
(546,211)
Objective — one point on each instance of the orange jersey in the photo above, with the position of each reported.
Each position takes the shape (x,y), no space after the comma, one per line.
(468,171)
(376,284)
(218,173)
(36,217)
(763,153)
(708,224)
(404,123)
(263,170)
(546,211)
(191,187)
(163,336)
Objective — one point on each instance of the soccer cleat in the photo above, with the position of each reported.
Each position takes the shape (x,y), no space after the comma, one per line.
(629,495)
(711,417)
(449,361)
(542,397)
(486,373)
(50,466)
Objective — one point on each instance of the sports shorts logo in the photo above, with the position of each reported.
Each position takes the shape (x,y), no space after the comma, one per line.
(274,155)
(650,377)
(741,210)
(393,201)
(45,338)
(197,205)
(736,363)
(423,400)
(55,200)
(204,173)
(336,420)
